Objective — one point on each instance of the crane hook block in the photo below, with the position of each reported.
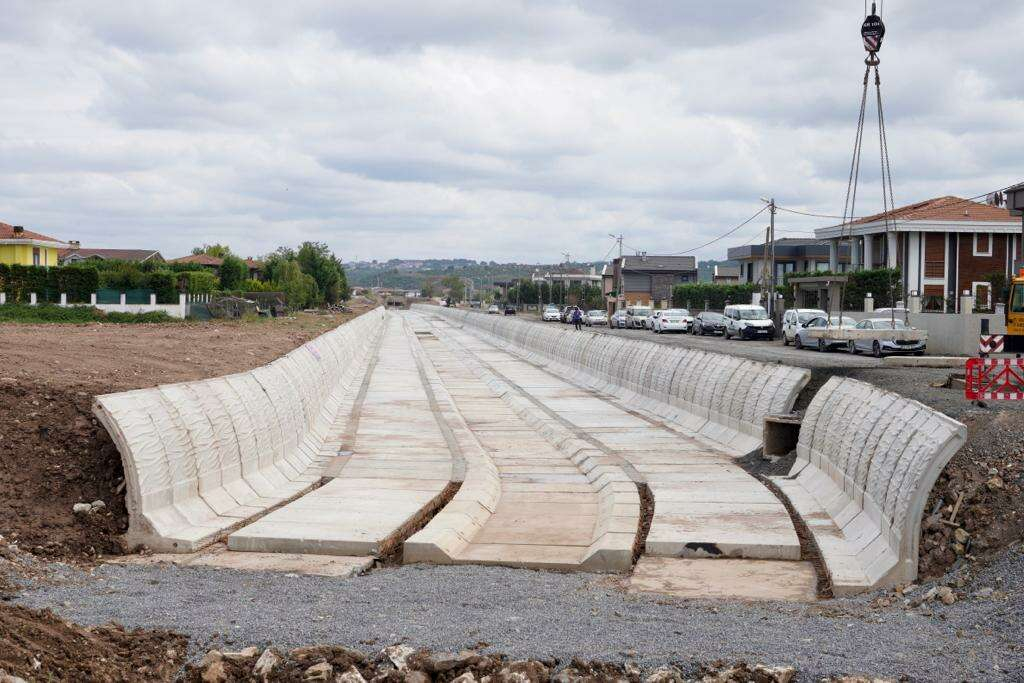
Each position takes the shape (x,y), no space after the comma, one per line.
(872,31)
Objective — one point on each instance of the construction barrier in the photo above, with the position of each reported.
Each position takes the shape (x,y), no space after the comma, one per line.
(866,461)
(994,379)
(203,458)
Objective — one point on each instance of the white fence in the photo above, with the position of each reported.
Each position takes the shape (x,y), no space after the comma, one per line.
(178,310)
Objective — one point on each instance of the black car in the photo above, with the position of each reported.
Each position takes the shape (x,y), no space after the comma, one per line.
(510,310)
(707,322)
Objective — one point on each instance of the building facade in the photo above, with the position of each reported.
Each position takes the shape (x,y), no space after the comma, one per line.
(647,280)
(22,247)
(792,255)
(944,247)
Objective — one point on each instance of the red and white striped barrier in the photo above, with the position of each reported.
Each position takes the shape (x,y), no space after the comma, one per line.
(990,343)
(994,379)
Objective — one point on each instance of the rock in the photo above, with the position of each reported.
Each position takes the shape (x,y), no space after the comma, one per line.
(241,655)
(946,595)
(398,654)
(10,678)
(777,674)
(995,483)
(209,658)
(266,664)
(97,505)
(961,535)
(440,663)
(527,671)
(351,676)
(214,673)
(416,677)
(465,677)
(665,674)
(81,508)
(318,672)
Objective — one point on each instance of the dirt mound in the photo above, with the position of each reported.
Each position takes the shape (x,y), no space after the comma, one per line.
(52,456)
(399,663)
(38,645)
(984,485)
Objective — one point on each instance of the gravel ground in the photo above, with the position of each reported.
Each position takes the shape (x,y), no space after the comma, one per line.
(544,614)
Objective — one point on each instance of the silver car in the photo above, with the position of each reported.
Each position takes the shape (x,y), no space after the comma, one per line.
(802,341)
(595,317)
(884,342)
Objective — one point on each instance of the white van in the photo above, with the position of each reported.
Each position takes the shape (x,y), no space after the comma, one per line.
(795,318)
(748,322)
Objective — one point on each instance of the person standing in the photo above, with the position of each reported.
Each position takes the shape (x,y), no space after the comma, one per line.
(577,318)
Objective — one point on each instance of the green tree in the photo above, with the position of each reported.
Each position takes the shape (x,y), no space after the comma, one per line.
(232,272)
(272,262)
(299,289)
(317,260)
(218,250)
(456,288)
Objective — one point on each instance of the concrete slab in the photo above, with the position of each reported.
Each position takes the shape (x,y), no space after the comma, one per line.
(752,580)
(218,556)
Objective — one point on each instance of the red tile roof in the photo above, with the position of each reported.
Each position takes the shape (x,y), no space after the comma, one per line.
(113,254)
(7,233)
(200,259)
(944,209)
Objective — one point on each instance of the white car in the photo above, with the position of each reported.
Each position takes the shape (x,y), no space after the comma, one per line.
(883,341)
(802,341)
(493,309)
(618,319)
(747,321)
(672,320)
(636,317)
(795,318)
(595,317)
(551,314)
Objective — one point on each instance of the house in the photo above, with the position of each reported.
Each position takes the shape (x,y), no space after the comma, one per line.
(792,255)
(568,277)
(943,247)
(647,279)
(74,253)
(726,275)
(213,264)
(19,246)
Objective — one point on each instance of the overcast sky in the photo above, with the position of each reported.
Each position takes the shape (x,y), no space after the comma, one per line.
(512,131)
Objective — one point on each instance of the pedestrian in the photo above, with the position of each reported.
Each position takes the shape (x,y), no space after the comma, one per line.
(577,318)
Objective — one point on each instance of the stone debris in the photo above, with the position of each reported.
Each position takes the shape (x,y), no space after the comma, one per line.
(403,664)
(8,678)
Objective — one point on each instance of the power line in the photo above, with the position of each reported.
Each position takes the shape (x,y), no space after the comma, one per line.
(722,236)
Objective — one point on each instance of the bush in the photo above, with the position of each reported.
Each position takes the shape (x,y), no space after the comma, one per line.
(78,282)
(49,283)
(164,283)
(694,295)
(256,286)
(232,271)
(121,275)
(201,281)
(49,313)
(885,285)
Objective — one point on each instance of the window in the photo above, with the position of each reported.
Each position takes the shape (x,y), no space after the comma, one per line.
(982,292)
(982,244)
(1017,299)
(35,256)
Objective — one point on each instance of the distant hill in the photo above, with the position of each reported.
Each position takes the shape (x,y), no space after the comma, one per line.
(412,273)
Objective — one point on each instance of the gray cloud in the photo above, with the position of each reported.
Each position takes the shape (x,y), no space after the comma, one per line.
(498,130)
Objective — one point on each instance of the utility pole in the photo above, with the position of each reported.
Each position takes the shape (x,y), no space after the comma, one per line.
(771,288)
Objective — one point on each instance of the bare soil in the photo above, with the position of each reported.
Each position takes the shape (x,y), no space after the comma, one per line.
(54,454)
(37,645)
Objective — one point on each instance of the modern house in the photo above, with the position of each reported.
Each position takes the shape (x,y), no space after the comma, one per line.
(568,277)
(943,246)
(792,255)
(726,274)
(74,253)
(19,246)
(647,279)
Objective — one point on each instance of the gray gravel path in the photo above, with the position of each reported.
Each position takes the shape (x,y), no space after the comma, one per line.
(539,614)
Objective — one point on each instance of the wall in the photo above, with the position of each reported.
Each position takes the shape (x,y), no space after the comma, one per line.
(955,335)
(21,254)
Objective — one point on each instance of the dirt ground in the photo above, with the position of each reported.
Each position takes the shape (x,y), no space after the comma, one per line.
(53,454)
(40,646)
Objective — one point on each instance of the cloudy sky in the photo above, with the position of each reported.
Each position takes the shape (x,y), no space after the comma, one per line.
(512,131)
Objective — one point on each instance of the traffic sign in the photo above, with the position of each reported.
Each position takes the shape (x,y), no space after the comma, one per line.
(990,343)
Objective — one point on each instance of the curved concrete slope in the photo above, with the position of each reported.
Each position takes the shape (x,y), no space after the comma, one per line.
(867,460)
(202,458)
(705,505)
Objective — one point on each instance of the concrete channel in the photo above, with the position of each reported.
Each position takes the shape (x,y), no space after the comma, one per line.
(462,438)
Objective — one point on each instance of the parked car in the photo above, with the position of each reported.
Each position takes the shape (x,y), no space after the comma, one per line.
(567,313)
(672,320)
(551,314)
(636,317)
(795,318)
(898,313)
(801,340)
(493,309)
(595,317)
(884,342)
(618,319)
(510,309)
(707,322)
(747,321)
